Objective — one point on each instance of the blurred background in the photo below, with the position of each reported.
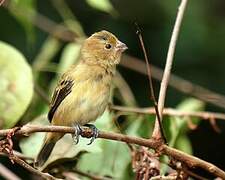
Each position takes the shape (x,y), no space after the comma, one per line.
(44,31)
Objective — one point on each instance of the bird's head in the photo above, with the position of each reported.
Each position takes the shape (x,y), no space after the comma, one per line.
(103,48)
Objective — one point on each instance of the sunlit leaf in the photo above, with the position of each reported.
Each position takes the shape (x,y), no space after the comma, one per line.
(183,143)
(16,85)
(31,145)
(103,5)
(134,126)
(111,161)
(177,126)
(41,62)
(113,158)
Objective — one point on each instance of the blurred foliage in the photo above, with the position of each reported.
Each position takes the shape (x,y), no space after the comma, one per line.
(16,88)
(199,57)
(28,5)
(180,124)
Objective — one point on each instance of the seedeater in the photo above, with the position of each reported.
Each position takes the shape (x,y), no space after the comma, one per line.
(82,93)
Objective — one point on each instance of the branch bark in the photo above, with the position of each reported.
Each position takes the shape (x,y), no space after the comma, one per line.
(190,161)
(7,174)
(178,83)
(1,2)
(171,112)
(166,76)
(31,169)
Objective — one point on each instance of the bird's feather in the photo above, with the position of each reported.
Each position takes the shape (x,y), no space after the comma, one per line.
(62,90)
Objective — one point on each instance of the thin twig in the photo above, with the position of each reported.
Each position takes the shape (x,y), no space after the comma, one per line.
(162,177)
(31,169)
(41,93)
(171,112)
(19,155)
(70,175)
(189,160)
(45,24)
(166,75)
(91,176)
(124,89)
(152,93)
(176,82)
(1,2)
(194,175)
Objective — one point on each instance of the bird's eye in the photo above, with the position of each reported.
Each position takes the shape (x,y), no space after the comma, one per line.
(108,46)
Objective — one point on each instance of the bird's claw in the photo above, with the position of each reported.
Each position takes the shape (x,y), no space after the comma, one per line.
(77,133)
(95,132)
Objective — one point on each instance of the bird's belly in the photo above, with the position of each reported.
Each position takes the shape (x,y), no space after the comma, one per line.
(82,106)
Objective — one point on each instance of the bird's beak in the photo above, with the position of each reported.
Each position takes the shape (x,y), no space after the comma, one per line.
(121,46)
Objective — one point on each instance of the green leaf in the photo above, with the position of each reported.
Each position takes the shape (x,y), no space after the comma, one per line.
(103,5)
(30,146)
(134,126)
(16,85)
(177,127)
(50,47)
(113,158)
(111,161)
(33,143)
(184,144)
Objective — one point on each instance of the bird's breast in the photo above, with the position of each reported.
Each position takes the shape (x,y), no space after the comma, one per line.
(85,103)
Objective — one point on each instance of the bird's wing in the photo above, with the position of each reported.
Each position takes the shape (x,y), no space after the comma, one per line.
(62,90)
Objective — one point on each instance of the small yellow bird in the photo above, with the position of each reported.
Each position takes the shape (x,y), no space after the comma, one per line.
(82,93)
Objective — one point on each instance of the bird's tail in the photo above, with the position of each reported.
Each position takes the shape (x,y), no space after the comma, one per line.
(50,141)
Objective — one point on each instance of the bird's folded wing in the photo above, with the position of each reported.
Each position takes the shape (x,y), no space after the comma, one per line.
(62,90)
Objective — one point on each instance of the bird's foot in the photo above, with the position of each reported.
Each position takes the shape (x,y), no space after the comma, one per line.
(77,133)
(95,132)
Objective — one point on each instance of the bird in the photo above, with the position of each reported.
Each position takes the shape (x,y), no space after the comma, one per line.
(82,92)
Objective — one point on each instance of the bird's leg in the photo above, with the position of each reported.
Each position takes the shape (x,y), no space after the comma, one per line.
(77,133)
(95,132)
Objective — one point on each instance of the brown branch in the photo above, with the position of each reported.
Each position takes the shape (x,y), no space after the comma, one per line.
(162,177)
(91,176)
(7,174)
(194,175)
(45,24)
(171,112)
(31,169)
(41,93)
(124,89)
(152,93)
(1,2)
(190,161)
(169,60)
(176,82)
(19,155)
